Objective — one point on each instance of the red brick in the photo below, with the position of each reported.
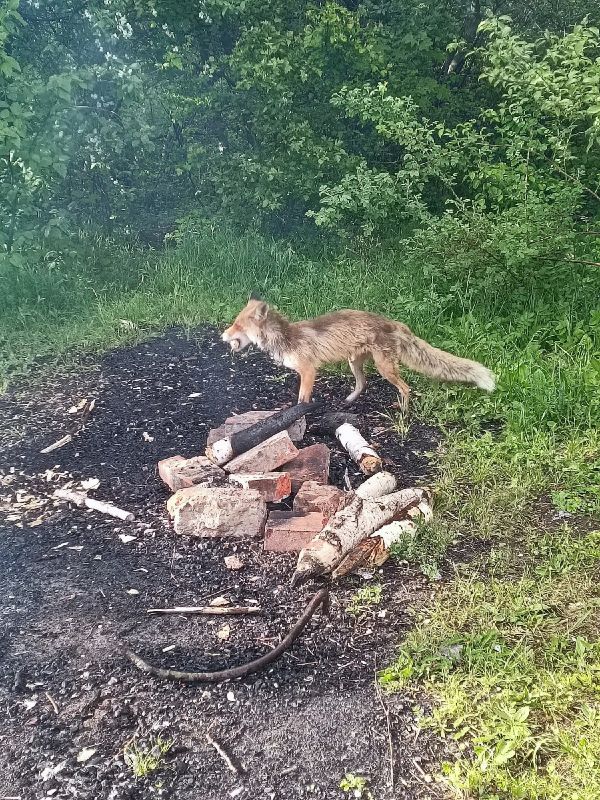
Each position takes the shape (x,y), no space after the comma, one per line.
(224,511)
(287,532)
(240,422)
(273,486)
(165,469)
(311,464)
(266,456)
(181,473)
(313,496)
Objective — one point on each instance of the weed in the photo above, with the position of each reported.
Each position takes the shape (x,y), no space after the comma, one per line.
(364,598)
(356,786)
(146,759)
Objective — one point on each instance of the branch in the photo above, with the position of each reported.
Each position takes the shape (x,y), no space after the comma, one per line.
(320,598)
(569,260)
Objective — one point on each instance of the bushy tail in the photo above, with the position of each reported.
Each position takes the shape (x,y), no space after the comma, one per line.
(417,354)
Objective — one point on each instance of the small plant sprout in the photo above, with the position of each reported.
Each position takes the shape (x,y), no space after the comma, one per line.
(355,786)
(364,598)
(143,760)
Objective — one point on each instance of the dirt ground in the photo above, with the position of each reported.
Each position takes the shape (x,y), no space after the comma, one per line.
(75,583)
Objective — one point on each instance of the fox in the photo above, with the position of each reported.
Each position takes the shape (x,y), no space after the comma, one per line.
(355,336)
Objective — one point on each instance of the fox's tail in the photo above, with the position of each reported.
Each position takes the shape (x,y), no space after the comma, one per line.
(417,354)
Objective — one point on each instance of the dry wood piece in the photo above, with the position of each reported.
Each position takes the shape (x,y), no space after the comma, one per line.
(377,486)
(80,499)
(358,520)
(320,598)
(343,427)
(87,407)
(224,755)
(224,450)
(227,611)
(375,549)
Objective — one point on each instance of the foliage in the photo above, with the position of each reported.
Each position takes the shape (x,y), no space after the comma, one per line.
(130,113)
(515,666)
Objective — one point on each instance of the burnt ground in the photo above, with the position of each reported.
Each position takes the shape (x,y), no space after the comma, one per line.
(74,585)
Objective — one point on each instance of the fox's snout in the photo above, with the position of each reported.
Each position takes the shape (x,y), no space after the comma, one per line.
(235,338)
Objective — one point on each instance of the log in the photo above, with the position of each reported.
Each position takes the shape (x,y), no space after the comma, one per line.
(375,549)
(224,450)
(377,486)
(80,499)
(343,427)
(358,520)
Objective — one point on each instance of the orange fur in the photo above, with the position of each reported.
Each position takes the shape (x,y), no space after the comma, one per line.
(348,335)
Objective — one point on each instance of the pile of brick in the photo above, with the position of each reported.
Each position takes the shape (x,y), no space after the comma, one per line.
(236,501)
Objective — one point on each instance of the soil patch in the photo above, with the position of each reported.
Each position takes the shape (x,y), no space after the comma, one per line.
(74,584)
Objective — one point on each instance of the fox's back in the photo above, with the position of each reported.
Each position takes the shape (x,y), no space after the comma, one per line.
(344,334)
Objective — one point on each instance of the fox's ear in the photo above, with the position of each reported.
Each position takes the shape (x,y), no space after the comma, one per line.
(260,312)
(254,296)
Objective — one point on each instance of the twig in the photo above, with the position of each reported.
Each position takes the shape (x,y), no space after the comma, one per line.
(226,758)
(80,499)
(75,429)
(60,443)
(320,598)
(569,260)
(207,610)
(386,711)
(52,702)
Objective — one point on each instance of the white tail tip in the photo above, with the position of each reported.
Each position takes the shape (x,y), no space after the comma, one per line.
(484,378)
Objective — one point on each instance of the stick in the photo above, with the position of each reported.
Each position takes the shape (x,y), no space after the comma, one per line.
(52,702)
(80,499)
(61,443)
(207,610)
(74,429)
(320,598)
(223,450)
(226,758)
(386,711)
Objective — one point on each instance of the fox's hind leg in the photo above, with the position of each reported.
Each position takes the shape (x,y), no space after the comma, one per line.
(388,369)
(356,365)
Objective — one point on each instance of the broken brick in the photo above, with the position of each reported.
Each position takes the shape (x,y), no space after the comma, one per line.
(311,464)
(266,456)
(181,473)
(217,511)
(240,422)
(313,496)
(273,486)
(288,532)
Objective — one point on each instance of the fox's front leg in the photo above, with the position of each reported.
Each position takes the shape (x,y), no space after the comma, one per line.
(308,375)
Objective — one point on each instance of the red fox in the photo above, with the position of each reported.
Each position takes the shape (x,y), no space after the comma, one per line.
(348,335)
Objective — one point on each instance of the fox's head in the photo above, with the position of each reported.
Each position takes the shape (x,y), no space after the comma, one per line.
(247,326)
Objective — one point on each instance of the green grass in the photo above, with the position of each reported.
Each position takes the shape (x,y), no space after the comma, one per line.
(515,666)
(509,651)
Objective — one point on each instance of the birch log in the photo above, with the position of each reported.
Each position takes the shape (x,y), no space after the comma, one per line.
(358,520)
(358,448)
(343,426)
(375,549)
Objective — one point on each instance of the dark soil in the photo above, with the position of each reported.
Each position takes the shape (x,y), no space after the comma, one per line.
(72,589)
